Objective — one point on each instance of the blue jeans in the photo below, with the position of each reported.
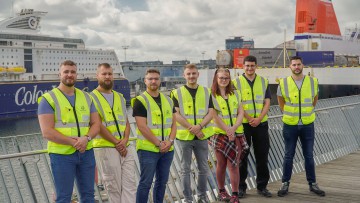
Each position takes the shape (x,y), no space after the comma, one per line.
(306,133)
(67,168)
(201,151)
(151,163)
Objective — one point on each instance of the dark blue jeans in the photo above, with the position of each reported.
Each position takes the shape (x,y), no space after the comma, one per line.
(67,168)
(152,163)
(306,133)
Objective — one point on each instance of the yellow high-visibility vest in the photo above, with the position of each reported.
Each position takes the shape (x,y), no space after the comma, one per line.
(299,103)
(223,107)
(69,121)
(113,118)
(158,120)
(253,98)
(194,111)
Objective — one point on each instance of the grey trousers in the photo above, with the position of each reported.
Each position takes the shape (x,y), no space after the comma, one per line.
(201,150)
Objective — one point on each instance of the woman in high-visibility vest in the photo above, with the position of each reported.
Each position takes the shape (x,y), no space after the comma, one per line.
(229,139)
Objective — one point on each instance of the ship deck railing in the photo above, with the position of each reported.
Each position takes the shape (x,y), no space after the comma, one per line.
(25,174)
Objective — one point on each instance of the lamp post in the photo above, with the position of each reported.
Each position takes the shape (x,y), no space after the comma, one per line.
(203,54)
(125,47)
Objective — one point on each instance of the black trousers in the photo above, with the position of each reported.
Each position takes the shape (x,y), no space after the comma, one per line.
(259,137)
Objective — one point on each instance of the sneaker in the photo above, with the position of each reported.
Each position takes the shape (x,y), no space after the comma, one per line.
(313,187)
(203,200)
(242,193)
(284,189)
(223,196)
(264,192)
(234,199)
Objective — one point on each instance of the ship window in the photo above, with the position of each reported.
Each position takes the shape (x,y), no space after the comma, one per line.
(27,57)
(27,44)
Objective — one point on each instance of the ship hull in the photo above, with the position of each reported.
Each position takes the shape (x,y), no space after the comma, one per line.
(19,99)
(333,82)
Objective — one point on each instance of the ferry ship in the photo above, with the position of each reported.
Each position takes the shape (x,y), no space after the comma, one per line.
(329,56)
(29,64)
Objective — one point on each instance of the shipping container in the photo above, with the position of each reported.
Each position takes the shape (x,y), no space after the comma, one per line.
(317,58)
(266,57)
(272,57)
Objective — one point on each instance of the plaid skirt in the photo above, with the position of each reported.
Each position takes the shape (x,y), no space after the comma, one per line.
(230,149)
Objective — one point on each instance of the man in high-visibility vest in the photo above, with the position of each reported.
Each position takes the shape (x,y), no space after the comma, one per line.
(69,120)
(193,103)
(156,130)
(114,160)
(255,98)
(297,96)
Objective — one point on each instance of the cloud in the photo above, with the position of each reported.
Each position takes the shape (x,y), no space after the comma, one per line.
(172,29)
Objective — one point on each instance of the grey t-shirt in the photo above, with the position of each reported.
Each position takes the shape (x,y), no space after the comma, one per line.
(109,98)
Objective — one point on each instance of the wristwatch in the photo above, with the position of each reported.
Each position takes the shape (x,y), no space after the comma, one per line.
(172,141)
(88,138)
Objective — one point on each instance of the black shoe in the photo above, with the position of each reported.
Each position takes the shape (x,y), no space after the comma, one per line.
(242,193)
(264,192)
(315,189)
(284,189)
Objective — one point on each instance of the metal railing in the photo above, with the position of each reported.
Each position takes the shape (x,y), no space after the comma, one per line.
(25,175)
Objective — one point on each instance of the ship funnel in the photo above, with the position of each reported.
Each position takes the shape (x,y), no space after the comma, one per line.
(316,16)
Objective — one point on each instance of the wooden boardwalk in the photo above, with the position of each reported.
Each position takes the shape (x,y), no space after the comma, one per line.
(340,179)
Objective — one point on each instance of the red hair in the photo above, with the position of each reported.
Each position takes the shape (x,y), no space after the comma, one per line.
(215,87)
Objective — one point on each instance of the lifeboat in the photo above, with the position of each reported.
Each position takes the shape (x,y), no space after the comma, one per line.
(16,70)
(2,69)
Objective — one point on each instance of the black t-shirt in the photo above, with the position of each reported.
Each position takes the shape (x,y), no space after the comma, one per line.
(251,83)
(193,94)
(140,110)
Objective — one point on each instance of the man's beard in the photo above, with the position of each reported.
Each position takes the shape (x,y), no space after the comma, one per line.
(68,84)
(107,85)
(294,72)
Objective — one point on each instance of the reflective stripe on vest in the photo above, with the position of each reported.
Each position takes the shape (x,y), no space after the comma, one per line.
(65,120)
(292,113)
(252,98)
(113,118)
(220,106)
(187,109)
(160,128)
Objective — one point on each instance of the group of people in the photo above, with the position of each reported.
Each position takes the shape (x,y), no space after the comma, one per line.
(83,129)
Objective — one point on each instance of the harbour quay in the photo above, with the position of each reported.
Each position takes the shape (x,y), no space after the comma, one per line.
(25,175)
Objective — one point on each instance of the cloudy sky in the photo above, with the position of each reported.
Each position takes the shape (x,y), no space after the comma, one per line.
(169,30)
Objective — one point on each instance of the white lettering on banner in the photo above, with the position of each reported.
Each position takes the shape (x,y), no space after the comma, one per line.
(24,96)
(27,97)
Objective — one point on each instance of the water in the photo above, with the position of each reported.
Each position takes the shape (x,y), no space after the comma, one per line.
(30,125)
(19,126)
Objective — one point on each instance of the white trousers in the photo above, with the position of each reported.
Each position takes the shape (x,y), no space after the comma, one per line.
(117,174)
